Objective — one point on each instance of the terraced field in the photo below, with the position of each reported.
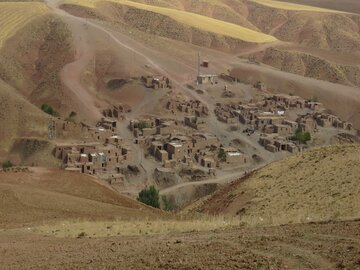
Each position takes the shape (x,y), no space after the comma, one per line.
(13,16)
(292,6)
(193,20)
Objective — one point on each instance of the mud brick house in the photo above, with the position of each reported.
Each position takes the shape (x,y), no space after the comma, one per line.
(307,123)
(147,127)
(315,106)
(284,101)
(194,122)
(94,158)
(206,79)
(267,118)
(108,124)
(191,107)
(116,112)
(233,156)
(157,82)
(275,143)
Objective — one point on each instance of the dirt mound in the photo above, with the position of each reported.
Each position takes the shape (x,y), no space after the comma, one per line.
(29,198)
(318,185)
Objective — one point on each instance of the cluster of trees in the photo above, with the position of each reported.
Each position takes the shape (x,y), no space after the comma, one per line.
(302,136)
(150,196)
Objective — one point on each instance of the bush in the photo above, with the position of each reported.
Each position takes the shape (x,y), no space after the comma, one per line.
(150,196)
(315,99)
(71,117)
(222,154)
(49,110)
(143,125)
(167,206)
(301,136)
(7,164)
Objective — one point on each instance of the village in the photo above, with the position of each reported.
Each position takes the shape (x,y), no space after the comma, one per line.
(183,140)
(277,118)
(184,143)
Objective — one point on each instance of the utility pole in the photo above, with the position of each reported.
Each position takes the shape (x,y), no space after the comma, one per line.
(198,63)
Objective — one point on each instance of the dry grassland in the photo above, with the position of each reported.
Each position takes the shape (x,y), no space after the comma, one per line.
(193,20)
(293,7)
(135,227)
(14,16)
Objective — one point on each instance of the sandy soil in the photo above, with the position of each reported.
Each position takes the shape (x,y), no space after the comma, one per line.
(312,246)
(30,198)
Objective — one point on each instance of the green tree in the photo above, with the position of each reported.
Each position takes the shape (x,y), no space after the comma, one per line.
(150,196)
(141,125)
(7,164)
(222,154)
(49,110)
(301,136)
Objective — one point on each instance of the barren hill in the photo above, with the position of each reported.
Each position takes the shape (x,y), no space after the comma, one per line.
(18,118)
(306,64)
(46,196)
(318,185)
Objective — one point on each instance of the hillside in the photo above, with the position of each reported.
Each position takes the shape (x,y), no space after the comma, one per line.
(233,26)
(352,6)
(44,196)
(21,118)
(310,65)
(318,185)
(14,16)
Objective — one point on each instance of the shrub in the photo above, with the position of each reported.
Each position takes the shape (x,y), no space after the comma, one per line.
(7,164)
(49,110)
(222,154)
(167,206)
(71,117)
(150,196)
(143,125)
(315,99)
(301,136)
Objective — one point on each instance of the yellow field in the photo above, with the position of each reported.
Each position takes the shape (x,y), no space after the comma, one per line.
(194,20)
(13,16)
(294,7)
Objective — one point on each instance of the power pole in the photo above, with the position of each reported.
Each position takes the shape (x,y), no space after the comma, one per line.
(198,63)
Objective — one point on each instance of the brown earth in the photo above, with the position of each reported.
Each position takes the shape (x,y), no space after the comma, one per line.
(309,65)
(32,59)
(318,185)
(18,118)
(312,246)
(45,196)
